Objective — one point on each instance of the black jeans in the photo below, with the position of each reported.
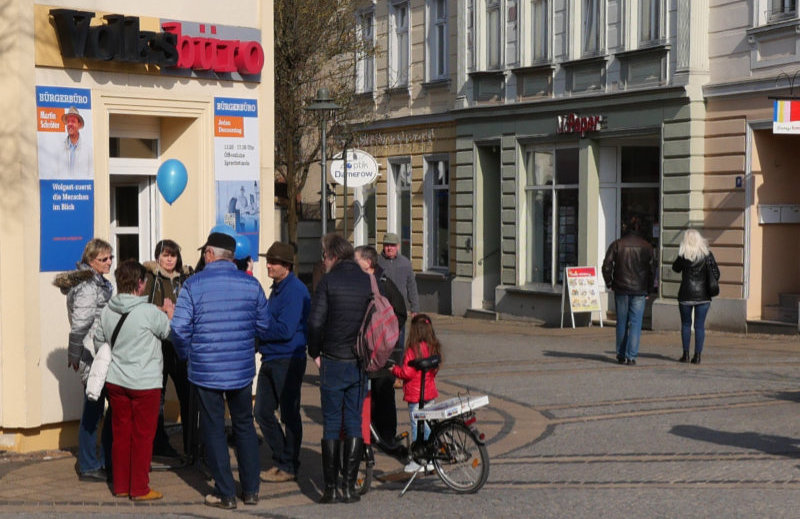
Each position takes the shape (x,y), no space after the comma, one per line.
(384,410)
(176,369)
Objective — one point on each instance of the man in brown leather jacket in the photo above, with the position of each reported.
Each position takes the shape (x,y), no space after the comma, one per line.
(629,269)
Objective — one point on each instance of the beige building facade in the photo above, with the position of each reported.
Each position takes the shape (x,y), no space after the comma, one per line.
(139,113)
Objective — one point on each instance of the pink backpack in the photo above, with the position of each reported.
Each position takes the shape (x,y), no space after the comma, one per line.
(379,331)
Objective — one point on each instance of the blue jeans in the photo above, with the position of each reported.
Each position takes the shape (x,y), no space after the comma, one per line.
(630,310)
(700,312)
(413,406)
(278,386)
(212,427)
(342,389)
(88,457)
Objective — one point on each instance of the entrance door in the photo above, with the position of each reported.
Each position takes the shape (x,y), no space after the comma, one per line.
(488,231)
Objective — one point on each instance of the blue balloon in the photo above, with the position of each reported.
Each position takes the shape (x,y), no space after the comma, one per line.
(224,229)
(242,247)
(171,179)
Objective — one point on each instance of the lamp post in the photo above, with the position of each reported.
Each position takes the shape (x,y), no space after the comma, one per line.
(323,104)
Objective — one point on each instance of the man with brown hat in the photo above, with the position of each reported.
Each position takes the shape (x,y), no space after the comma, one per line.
(77,159)
(283,364)
(219,314)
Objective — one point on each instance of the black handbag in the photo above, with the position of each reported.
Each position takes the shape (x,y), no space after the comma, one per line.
(712,284)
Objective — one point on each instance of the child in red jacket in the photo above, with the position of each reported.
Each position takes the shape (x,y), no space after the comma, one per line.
(422,342)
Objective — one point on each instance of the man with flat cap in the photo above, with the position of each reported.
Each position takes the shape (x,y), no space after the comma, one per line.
(398,268)
(76,161)
(219,314)
(283,364)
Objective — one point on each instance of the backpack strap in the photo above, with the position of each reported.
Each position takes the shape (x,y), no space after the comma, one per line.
(374,283)
(116,330)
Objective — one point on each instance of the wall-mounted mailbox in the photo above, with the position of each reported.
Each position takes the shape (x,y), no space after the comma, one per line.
(778,213)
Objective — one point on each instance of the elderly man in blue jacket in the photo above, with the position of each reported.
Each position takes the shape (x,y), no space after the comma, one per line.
(283,364)
(220,313)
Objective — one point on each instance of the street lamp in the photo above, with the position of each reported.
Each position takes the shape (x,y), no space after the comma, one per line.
(323,104)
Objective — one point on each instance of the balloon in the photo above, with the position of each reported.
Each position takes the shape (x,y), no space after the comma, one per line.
(224,229)
(242,247)
(171,179)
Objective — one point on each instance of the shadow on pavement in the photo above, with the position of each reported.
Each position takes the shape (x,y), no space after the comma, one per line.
(585,356)
(767,443)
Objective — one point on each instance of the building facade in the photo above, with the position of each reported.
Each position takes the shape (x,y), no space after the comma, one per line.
(146,82)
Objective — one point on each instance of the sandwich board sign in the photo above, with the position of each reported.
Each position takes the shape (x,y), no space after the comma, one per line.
(582,290)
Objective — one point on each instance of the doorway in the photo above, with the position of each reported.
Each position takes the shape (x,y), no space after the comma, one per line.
(488,229)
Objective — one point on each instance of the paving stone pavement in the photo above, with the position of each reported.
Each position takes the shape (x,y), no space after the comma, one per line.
(570,433)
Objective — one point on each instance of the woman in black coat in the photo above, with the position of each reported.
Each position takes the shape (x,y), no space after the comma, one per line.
(696,264)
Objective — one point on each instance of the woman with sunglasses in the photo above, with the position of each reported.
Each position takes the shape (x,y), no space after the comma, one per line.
(88,292)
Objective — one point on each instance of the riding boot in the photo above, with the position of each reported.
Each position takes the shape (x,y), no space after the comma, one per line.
(330,469)
(696,358)
(685,356)
(353,450)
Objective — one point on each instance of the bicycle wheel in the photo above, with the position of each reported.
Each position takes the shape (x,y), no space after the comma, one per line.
(364,477)
(460,460)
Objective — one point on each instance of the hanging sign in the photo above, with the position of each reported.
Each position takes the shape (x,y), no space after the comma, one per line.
(786,116)
(362,168)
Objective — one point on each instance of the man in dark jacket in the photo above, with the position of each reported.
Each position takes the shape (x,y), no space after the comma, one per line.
(629,269)
(283,364)
(218,316)
(337,309)
(383,407)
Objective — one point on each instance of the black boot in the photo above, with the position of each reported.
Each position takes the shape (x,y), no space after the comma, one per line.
(353,450)
(696,358)
(330,469)
(685,356)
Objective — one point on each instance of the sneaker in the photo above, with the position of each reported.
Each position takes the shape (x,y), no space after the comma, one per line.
(121,494)
(429,467)
(227,503)
(250,499)
(279,476)
(412,467)
(150,496)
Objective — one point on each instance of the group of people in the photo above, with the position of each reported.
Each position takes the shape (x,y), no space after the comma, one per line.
(202,328)
(630,269)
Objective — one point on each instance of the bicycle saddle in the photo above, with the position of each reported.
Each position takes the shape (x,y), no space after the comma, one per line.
(426,364)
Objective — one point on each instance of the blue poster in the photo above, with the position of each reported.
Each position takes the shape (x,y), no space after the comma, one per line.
(66,174)
(67,222)
(237,206)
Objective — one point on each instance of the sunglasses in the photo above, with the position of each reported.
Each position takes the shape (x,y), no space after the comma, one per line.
(107,258)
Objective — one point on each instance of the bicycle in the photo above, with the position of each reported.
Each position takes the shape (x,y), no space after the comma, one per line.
(455,447)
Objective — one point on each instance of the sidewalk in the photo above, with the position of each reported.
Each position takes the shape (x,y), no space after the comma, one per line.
(46,483)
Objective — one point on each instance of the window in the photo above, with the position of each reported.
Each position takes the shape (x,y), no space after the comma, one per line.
(437,39)
(593,28)
(540,34)
(365,66)
(649,20)
(398,45)
(493,33)
(399,203)
(437,213)
(551,198)
(782,8)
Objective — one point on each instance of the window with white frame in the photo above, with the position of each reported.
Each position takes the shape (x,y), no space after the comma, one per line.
(365,66)
(540,30)
(399,202)
(494,38)
(436,48)
(398,43)
(551,213)
(437,212)
(782,8)
(592,21)
(650,12)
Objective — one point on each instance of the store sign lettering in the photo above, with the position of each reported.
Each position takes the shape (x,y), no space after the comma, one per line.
(573,123)
(120,39)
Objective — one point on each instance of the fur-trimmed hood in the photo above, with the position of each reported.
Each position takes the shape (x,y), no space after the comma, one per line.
(153,268)
(66,280)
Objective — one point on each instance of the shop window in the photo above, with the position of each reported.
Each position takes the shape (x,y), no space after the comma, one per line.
(551,197)
(436,41)
(437,213)
(398,44)
(365,65)
(399,203)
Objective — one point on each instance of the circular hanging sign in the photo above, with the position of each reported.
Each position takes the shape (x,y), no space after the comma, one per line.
(362,168)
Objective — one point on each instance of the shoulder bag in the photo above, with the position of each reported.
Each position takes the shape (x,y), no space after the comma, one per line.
(99,369)
(712,284)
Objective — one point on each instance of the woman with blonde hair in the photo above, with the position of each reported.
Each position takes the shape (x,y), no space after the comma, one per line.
(697,266)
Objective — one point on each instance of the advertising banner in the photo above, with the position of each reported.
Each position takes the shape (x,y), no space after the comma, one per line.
(582,290)
(785,116)
(236,166)
(66,175)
